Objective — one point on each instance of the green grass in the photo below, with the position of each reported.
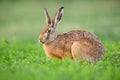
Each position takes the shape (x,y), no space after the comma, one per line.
(23,58)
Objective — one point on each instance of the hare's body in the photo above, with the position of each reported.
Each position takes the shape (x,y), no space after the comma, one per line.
(76,44)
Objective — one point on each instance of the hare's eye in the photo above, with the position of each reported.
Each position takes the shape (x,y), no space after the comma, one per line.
(49,31)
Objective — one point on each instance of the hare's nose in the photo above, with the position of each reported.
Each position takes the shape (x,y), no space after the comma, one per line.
(39,41)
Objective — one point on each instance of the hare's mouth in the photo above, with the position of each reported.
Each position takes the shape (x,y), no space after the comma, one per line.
(40,41)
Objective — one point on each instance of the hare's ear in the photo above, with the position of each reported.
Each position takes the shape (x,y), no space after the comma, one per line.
(57,17)
(48,20)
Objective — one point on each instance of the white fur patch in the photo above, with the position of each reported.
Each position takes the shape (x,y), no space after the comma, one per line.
(62,11)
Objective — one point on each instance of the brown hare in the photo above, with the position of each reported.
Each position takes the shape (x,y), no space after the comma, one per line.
(75,44)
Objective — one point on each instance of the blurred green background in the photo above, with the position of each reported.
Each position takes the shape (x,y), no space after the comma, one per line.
(22,58)
(23,19)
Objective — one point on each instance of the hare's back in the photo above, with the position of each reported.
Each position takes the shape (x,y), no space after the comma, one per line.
(80,34)
(85,38)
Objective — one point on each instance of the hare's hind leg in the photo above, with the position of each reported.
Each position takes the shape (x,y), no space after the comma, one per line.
(79,52)
(76,52)
(87,52)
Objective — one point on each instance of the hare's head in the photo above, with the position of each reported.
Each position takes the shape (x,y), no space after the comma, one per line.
(48,33)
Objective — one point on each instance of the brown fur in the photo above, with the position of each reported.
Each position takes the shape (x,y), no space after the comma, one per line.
(88,46)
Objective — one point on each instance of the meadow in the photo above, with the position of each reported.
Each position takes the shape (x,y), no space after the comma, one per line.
(23,58)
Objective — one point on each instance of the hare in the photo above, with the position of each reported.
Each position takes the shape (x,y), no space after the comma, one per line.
(76,44)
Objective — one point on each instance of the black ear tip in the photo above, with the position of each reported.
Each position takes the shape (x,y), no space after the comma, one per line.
(62,7)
